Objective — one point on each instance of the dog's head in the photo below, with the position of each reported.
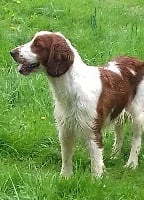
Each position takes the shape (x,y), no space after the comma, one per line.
(48,49)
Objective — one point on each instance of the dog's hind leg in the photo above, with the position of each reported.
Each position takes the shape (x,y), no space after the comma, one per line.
(135,143)
(118,140)
(136,109)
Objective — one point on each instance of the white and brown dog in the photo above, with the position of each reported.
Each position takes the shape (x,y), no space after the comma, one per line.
(86,96)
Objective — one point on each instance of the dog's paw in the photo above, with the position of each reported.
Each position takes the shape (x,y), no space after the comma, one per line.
(131,164)
(66,173)
(98,171)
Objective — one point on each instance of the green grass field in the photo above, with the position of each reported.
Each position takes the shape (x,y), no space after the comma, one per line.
(29,148)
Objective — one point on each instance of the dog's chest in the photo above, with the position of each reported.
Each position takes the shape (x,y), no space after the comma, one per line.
(75,111)
(76,97)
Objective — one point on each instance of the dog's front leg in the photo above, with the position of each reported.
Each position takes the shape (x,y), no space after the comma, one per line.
(67,144)
(96,156)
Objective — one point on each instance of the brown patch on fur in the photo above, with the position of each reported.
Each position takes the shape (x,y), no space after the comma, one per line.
(97,135)
(117,91)
(53,53)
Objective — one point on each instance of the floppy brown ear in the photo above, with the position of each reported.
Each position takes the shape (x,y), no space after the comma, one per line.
(60,58)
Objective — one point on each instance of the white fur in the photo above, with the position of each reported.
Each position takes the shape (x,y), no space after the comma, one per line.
(112,66)
(26,54)
(132,71)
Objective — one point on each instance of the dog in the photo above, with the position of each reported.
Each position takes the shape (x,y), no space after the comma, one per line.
(86,97)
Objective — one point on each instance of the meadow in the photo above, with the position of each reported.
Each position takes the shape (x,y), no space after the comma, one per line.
(29,148)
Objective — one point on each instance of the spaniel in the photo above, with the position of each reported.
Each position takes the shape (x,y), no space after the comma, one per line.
(86,97)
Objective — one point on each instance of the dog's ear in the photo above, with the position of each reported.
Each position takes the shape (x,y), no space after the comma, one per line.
(60,58)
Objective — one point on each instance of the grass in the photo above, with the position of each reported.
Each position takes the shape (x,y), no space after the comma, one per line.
(29,148)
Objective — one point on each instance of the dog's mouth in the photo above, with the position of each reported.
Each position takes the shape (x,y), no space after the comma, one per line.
(27,68)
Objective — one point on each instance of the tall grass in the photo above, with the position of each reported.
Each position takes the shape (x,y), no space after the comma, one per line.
(29,148)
